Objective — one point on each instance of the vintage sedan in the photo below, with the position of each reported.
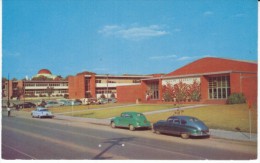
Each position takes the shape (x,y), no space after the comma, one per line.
(25,105)
(52,104)
(185,126)
(41,112)
(131,120)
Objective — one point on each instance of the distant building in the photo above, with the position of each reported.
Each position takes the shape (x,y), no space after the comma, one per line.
(89,84)
(207,80)
(37,88)
(46,73)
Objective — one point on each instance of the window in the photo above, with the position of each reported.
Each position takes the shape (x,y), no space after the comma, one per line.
(153,90)
(176,121)
(219,87)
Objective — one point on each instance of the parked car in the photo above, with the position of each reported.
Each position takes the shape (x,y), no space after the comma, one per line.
(185,126)
(112,100)
(102,101)
(41,112)
(88,101)
(52,104)
(72,102)
(131,120)
(25,105)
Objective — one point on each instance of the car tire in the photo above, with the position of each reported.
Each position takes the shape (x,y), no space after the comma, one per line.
(157,132)
(185,136)
(131,128)
(113,125)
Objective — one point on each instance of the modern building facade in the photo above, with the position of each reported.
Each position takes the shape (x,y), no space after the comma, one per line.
(92,85)
(207,80)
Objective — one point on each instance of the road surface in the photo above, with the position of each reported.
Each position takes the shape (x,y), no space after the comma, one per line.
(40,139)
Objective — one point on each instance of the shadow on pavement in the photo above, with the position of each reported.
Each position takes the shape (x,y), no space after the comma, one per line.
(113,142)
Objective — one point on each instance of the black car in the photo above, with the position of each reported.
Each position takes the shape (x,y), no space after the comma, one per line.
(25,105)
(185,126)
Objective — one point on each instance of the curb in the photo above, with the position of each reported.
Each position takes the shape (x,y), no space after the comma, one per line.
(223,134)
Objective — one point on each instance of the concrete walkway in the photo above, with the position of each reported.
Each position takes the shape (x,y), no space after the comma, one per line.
(213,132)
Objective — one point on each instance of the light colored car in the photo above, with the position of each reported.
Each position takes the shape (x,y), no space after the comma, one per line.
(41,112)
(52,104)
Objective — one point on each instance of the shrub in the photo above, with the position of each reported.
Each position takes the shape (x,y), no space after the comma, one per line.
(236,98)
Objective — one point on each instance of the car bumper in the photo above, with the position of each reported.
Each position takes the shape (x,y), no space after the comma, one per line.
(143,126)
(47,116)
(202,133)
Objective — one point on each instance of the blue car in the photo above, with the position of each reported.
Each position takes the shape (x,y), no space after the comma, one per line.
(41,112)
(185,126)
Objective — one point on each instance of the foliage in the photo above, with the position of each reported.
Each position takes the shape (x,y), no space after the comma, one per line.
(113,95)
(102,96)
(42,78)
(50,91)
(181,91)
(236,98)
(66,96)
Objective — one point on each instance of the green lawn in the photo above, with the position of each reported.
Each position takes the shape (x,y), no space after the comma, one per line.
(116,111)
(227,117)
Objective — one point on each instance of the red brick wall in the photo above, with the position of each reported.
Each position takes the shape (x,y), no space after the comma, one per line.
(235,83)
(204,88)
(93,85)
(129,94)
(249,87)
(76,86)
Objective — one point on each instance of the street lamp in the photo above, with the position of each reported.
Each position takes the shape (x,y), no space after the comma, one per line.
(107,85)
(8,100)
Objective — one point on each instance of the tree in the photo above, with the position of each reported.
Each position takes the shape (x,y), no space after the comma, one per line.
(19,92)
(168,92)
(50,91)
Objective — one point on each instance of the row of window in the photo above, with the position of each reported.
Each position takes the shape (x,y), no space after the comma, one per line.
(105,90)
(111,81)
(45,84)
(44,91)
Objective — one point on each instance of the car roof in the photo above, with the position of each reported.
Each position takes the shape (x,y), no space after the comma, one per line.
(182,117)
(131,113)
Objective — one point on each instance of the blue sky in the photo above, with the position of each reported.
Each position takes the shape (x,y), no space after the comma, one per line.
(123,36)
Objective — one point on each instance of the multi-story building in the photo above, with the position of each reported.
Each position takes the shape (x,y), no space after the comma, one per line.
(88,84)
(36,88)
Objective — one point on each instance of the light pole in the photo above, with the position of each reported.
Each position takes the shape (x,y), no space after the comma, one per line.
(8,100)
(107,86)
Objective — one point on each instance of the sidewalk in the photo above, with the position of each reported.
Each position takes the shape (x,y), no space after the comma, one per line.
(213,132)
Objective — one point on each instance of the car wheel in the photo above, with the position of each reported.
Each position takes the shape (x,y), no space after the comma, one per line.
(185,136)
(113,125)
(131,128)
(157,132)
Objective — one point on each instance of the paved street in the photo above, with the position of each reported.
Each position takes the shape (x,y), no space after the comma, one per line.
(28,138)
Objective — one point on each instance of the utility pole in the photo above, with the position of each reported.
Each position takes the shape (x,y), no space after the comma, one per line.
(8,100)
(107,86)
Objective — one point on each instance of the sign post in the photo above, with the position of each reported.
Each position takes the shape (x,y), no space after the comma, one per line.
(72,107)
(249,114)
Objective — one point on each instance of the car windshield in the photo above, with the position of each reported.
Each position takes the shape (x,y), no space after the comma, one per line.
(43,110)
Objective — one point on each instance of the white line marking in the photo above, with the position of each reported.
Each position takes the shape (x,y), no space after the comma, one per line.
(19,151)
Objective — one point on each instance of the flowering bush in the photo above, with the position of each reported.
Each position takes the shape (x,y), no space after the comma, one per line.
(181,91)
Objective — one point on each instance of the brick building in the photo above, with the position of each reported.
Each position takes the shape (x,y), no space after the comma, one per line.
(89,84)
(207,80)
